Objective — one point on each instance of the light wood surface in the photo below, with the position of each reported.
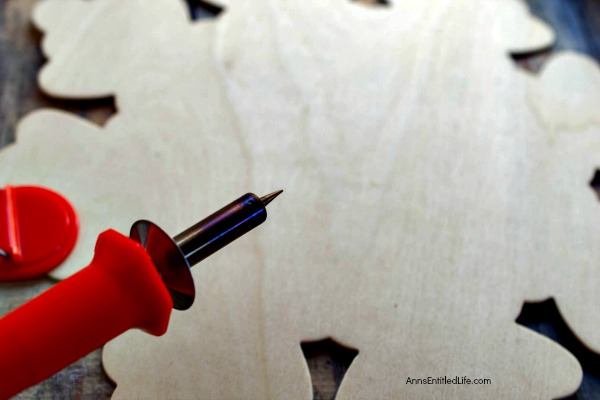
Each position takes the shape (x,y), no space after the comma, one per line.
(409,186)
(409,204)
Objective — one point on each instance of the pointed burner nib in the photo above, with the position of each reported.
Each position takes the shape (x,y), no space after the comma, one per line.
(269,198)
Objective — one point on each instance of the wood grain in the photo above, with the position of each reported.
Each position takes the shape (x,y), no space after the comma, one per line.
(313,115)
(19,62)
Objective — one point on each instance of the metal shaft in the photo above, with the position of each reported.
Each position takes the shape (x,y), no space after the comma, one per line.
(223,227)
(173,257)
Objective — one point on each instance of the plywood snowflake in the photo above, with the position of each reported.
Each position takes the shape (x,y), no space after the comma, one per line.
(431,188)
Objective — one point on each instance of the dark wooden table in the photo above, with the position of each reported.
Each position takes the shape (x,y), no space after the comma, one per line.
(577,23)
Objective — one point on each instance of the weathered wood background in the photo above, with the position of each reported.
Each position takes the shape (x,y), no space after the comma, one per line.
(577,23)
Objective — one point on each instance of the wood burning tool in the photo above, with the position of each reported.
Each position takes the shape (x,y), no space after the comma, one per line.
(131,283)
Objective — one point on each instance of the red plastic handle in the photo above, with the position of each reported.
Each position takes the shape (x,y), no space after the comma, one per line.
(119,290)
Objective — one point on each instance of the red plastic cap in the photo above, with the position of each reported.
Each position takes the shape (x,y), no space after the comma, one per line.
(38,230)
